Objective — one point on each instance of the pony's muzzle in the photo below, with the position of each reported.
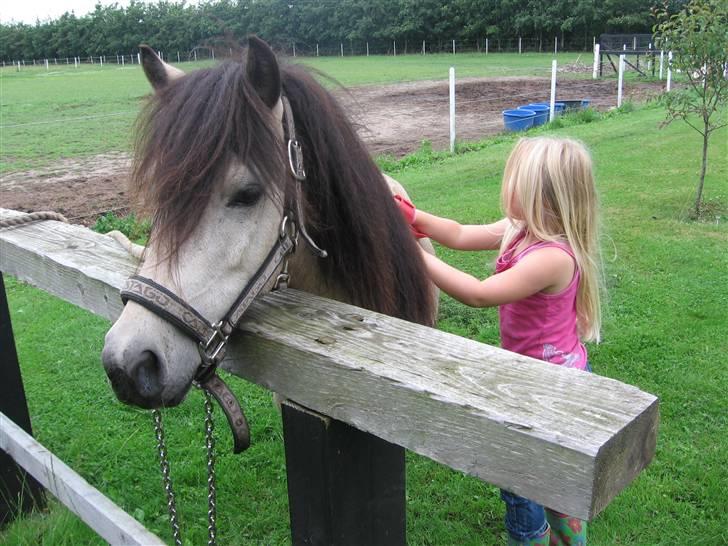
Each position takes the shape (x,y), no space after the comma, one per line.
(139,383)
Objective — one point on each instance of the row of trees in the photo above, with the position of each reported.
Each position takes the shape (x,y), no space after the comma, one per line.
(175,26)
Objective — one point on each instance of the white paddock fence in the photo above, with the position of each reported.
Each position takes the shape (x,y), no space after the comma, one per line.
(572,446)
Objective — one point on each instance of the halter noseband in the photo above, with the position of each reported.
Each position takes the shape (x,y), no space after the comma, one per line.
(212,337)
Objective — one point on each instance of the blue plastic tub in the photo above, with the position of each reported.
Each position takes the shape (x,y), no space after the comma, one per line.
(558,106)
(542,113)
(518,120)
(572,104)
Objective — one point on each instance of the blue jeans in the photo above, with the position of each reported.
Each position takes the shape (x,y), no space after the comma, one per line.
(525,519)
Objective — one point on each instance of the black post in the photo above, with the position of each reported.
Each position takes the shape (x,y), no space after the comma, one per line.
(19,492)
(345,486)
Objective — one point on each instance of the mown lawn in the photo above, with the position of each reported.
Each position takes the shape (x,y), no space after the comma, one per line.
(665,332)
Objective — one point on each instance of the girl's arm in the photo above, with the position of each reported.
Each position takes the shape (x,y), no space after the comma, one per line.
(545,270)
(458,236)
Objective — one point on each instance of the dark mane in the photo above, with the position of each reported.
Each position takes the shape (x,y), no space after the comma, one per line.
(371,249)
(194,128)
(187,137)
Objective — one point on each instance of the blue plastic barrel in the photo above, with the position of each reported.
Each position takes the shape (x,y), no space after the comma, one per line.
(558,106)
(518,120)
(542,113)
(572,104)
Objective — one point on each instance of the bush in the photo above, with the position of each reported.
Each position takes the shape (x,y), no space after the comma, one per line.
(136,230)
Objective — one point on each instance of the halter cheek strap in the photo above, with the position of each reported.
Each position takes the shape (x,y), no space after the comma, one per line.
(212,338)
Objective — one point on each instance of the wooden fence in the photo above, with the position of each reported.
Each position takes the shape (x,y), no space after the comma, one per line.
(366,386)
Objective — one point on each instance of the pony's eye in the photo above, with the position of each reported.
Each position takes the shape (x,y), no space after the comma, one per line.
(246,197)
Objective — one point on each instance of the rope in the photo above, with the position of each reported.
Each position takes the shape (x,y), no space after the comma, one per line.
(33,217)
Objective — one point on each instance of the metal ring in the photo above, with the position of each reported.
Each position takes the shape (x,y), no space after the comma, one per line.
(288,229)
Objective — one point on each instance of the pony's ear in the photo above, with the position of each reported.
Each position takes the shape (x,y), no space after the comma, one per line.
(262,71)
(157,71)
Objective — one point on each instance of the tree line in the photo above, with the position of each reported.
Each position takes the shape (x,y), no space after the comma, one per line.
(176,26)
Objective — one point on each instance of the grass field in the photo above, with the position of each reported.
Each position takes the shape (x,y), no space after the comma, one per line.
(68,112)
(665,329)
(665,332)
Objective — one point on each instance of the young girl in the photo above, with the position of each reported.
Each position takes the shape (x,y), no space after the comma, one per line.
(546,281)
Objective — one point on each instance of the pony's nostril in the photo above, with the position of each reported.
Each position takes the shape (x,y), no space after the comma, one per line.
(146,374)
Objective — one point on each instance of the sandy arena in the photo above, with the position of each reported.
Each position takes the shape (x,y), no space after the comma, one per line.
(392,119)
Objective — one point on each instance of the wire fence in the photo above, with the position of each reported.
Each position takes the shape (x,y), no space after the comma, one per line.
(343,48)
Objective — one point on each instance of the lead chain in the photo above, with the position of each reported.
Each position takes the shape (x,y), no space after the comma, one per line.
(166,478)
(211,490)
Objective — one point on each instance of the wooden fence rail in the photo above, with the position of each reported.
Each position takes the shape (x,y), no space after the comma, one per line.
(571,446)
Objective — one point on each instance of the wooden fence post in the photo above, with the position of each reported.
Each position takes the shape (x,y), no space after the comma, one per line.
(19,492)
(345,487)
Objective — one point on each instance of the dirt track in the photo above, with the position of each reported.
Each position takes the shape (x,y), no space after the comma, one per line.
(392,119)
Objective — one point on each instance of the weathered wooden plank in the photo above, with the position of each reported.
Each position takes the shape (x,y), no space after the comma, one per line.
(97,511)
(567,439)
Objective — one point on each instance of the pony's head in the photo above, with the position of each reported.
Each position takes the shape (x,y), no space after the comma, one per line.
(212,171)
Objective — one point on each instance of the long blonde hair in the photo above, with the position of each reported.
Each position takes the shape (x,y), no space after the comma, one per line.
(549,192)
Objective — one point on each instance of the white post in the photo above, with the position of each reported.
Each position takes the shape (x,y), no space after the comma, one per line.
(139,59)
(123,61)
(556,45)
(552,103)
(624,47)
(620,80)
(231,54)
(423,47)
(649,56)
(18,66)
(395,47)
(317,50)
(101,61)
(46,63)
(595,70)
(367,49)
(195,55)
(634,43)
(294,49)
(213,52)
(453,47)
(594,41)
(669,70)
(452,109)
(75,62)
(341,46)
(486,46)
(662,61)
(519,45)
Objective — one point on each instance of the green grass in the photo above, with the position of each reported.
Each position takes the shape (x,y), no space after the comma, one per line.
(70,112)
(665,331)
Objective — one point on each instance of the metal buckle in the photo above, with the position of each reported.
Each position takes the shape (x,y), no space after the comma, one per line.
(296,163)
(218,340)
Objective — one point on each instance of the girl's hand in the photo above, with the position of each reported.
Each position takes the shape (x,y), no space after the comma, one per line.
(409,212)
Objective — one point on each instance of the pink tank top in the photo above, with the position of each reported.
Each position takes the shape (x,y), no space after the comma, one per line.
(542,325)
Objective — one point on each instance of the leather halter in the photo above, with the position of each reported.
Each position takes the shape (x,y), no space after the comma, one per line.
(212,337)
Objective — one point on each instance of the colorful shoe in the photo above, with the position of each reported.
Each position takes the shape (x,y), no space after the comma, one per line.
(542,540)
(565,530)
